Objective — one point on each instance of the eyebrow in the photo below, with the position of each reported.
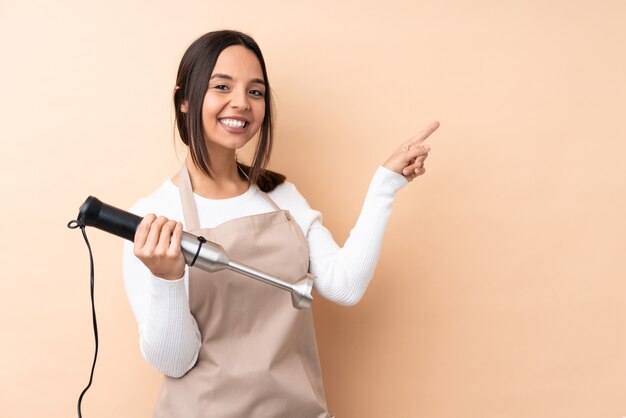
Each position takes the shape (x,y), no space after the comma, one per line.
(227,77)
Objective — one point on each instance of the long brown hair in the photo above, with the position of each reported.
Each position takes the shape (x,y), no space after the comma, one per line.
(192,82)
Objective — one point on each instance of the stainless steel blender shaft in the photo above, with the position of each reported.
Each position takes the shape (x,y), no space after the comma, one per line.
(211,257)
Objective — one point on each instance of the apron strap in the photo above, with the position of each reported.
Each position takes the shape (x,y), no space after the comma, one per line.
(267,198)
(190,211)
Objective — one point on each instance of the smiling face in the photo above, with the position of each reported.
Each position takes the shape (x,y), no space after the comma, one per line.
(234,104)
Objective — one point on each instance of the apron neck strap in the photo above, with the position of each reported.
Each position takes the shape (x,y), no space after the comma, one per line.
(267,198)
(190,211)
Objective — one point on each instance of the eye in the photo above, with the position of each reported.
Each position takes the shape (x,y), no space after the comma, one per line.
(221,87)
(256,93)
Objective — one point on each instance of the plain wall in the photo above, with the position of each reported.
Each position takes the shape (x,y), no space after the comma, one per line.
(501,287)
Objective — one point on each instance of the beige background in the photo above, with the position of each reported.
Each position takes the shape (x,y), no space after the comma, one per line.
(501,286)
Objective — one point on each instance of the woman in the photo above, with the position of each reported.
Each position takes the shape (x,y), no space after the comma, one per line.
(230,346)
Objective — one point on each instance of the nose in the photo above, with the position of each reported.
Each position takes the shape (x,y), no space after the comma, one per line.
(240,99)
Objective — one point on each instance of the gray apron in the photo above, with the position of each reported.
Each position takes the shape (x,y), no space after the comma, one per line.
(259,356)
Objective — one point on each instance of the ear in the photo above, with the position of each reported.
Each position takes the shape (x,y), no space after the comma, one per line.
(184,106)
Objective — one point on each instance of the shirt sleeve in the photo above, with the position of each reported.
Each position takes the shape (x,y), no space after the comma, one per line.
(343,273)
(169,337)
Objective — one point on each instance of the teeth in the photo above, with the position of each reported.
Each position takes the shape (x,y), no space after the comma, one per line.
(233,123)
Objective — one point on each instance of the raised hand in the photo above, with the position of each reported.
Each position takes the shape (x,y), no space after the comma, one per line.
(408,159)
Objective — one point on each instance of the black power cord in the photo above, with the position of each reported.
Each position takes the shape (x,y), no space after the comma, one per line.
(73,225)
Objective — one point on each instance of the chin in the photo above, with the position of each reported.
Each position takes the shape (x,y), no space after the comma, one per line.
(226,142)
(231,145)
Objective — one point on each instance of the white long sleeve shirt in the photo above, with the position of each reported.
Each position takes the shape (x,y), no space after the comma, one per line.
(168,333)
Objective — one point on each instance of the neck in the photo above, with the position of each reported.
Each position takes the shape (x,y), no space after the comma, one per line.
(224,182)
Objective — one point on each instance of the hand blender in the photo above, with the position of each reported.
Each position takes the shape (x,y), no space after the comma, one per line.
(197,251)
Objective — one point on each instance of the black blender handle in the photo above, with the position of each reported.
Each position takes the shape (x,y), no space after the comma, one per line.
(108,218)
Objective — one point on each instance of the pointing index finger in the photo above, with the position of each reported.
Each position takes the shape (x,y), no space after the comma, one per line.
(421,137)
